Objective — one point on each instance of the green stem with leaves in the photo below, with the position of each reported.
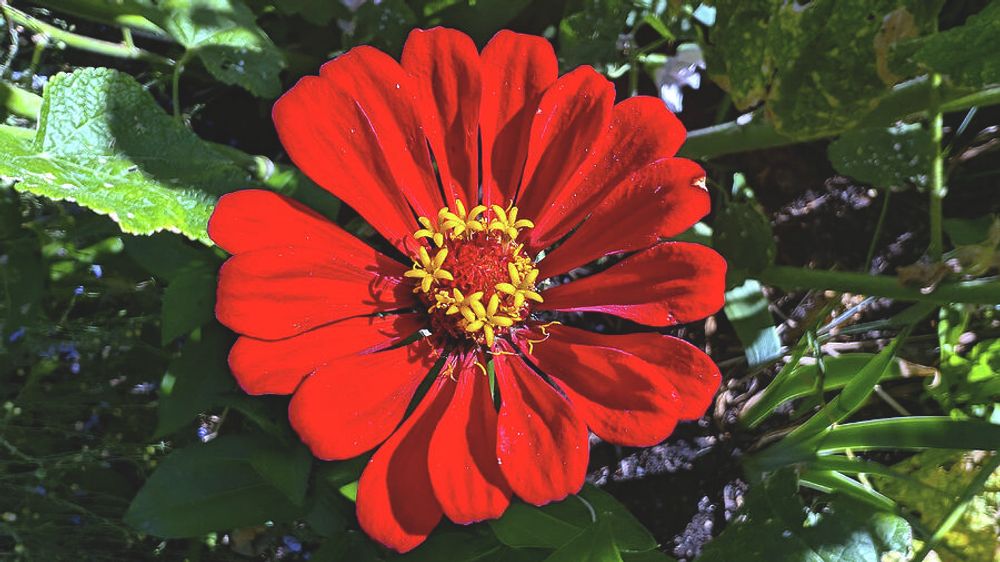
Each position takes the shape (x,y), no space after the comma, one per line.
(70,39)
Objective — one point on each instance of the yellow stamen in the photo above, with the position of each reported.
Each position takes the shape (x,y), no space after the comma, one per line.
(506,221)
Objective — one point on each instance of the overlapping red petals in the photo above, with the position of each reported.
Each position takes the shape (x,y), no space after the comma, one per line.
(324,316)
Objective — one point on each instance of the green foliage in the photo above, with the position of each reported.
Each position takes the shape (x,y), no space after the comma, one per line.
(939,477)
(234,481)
(574,520)
(775,525)
(885,158)
(812,77)
(747,309)
(103,143)
(194,380)
(743,236)
(966,54)
(121,424)
(590,34)
(224,36)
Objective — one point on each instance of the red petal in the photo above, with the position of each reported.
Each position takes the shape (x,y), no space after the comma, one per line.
(516,71)
(642,131)
(572,115)
(464,470)
(354,131)
(276,293)
(253,219)
(277,367)
(659,201)
(396,503)
(445,64)
(352,404)
(630,389)
(541,443)
(672,283)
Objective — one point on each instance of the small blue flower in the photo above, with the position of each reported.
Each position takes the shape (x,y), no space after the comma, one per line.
(74,368)
(203,433)
(292,543)
(78,291)
(97,270)
(18,334)
(40,490)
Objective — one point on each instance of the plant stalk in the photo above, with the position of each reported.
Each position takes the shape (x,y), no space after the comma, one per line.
(979,291)
(98,46)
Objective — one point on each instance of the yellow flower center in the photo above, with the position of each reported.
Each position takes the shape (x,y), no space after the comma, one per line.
(472,274)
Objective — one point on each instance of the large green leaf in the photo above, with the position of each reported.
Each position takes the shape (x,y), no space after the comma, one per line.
(233,481)
(104,143)
(814,76)
(774,525)
(967,54)
(224,35)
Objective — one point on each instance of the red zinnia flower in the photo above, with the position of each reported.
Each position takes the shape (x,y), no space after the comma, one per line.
(330,319)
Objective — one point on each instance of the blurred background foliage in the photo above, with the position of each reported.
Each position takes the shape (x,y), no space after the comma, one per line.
(851,147)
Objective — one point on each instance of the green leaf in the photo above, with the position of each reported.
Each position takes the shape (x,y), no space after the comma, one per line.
(103,143)
(775,525)
(384,25)
(595,544)
(556,524)
(317,12)
(466,546)
(188,302)
(911,433)
(166,256)
(938,478)
(852,397)
(743,236)
(591,34)
(480,19)
(549,526)
(840,370)
(884,158)
(747,310)
(224,35)
(233,481)
(195,381)
(629,534)
(352,545)
(814,78)
(967,54)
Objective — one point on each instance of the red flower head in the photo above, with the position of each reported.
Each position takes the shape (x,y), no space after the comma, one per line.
(330,319)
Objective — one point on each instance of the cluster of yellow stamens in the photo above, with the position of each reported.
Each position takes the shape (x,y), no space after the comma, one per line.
(479,279)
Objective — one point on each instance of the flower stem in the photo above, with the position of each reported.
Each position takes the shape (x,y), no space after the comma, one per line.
(878,231)
(937,188)
(19,102)
(979,291)
(106,48)
(111,13)
(908,100)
